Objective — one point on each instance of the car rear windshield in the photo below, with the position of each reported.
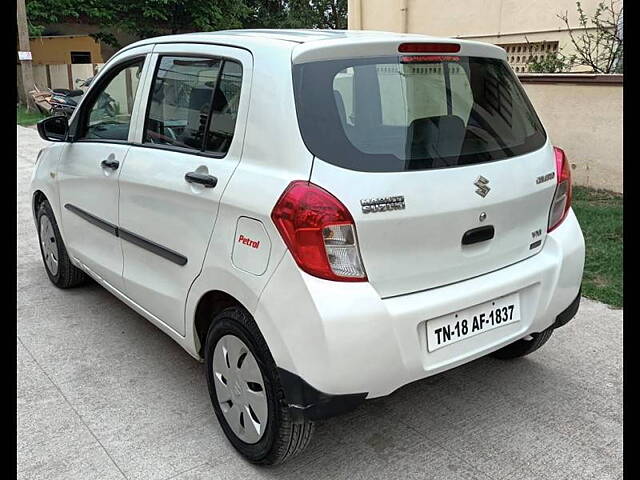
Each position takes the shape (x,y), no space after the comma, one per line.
(398,113)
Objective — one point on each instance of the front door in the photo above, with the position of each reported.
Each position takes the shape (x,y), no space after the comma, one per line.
(90,166)
(174,176)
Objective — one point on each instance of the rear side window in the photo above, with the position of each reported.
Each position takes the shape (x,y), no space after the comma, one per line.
(191,106)
(393,114)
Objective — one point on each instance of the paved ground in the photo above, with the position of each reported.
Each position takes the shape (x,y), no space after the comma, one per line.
(103,394)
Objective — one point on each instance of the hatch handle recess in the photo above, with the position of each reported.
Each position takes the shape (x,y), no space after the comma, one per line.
(476,235)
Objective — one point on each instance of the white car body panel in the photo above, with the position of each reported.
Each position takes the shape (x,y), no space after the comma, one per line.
(339,337)
(418,248)
(313,326)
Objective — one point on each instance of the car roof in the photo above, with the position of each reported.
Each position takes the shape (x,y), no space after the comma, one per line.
(306,40)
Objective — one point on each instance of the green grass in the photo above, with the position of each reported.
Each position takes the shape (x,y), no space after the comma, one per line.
(26,118)
(600,215)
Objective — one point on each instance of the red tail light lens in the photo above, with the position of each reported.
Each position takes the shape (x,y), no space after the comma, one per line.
(319,232)
(562,198)
(428,48)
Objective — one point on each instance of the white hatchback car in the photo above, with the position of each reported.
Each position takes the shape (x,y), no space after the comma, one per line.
(320,216)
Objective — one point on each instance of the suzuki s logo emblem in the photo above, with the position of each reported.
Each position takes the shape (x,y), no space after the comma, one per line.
(481,183)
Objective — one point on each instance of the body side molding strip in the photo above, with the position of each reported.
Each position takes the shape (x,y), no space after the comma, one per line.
(152,247)
(130,237)
(98,222)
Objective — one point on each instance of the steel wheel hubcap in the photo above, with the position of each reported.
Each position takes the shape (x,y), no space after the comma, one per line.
(49,245)
(240,389)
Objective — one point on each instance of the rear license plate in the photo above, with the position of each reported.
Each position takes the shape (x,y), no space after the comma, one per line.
(456,326)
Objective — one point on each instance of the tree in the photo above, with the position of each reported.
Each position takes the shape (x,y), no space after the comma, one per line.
(296,14)
(598,40)
(266,14)
(148,18)
(330,14)
(50,11)
(142,18)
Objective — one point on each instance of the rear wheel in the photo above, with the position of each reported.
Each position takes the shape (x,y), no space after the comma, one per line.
(61,271)
(524,347)
(246,393)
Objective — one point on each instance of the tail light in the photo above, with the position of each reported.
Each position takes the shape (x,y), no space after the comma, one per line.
(319,232)
(562,197)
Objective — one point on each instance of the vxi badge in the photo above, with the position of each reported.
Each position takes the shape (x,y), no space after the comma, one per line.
(482,189)
(382,204)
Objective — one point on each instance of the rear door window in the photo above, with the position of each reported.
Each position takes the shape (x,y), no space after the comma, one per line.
(225,109)
(413,112)
(193,104)
(180,101)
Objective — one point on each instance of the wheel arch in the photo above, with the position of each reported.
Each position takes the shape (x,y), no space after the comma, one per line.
(219,286)
(209,305)
(36,200)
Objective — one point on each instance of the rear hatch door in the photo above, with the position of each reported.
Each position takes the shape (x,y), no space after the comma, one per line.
(440,159)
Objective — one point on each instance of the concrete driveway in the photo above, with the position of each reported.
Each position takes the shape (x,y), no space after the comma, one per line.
(103,394)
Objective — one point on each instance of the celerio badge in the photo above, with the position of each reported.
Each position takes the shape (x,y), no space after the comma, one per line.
(482,189)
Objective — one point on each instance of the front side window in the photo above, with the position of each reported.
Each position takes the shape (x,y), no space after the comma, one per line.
(193,103)
(109,116)
(389,114)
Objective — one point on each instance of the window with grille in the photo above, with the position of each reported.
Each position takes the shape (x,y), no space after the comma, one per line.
(520,54)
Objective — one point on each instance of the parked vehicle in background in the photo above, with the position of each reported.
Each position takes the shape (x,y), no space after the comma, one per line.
(321,217)
(64,101)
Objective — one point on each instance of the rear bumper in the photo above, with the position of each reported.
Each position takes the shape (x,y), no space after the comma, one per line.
(568,313)
(342,338)
(306,401)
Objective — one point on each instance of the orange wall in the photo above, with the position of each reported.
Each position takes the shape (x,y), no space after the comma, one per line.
(56,50)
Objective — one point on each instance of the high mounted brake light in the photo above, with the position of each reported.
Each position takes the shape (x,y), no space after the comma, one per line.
(319,232)
(428,48)
(562,197)
(428,58)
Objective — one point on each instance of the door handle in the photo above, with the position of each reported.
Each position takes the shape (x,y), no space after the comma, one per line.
(112,164)
(209,181)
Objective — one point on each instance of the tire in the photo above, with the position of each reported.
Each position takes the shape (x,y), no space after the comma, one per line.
(62,274)
(280,437)
(520,348)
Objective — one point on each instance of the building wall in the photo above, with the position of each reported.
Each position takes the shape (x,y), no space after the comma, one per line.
(107,51)
(57,50)
(584,118)
(492,21)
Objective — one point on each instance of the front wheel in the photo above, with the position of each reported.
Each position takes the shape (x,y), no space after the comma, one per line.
(61,272)
(246,393)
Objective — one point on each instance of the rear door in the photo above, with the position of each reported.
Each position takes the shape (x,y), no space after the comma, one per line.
(170,187)
(437,158)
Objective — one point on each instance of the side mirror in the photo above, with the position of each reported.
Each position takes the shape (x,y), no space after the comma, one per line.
(54,129)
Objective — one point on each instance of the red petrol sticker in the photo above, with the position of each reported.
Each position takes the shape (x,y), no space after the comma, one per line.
(247,241)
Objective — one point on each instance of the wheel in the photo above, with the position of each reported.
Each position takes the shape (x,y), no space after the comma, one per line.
(246,393)
(523,347)
(61,271)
